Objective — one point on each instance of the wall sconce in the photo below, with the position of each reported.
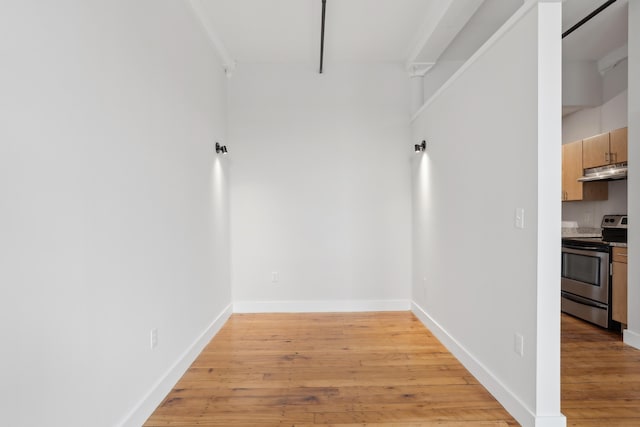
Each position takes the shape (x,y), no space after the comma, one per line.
(221,148)
(420,147)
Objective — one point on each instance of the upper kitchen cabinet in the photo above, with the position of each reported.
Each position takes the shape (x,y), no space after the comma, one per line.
(595,151)
(618,145)
(572,169)
(605,149)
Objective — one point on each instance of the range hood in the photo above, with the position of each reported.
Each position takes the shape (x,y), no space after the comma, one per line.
(605,173)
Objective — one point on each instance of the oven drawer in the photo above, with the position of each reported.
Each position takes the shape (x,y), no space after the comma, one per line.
(586,309)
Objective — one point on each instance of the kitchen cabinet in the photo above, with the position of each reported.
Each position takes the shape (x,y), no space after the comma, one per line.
(605,149)
(619,285)
(618,145)
(572,169)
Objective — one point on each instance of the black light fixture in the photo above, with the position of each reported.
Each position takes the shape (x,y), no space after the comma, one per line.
(221,148)
(420,147)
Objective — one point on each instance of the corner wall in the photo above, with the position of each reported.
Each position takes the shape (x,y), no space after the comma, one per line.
(321,188)
(114,207)
(493,145)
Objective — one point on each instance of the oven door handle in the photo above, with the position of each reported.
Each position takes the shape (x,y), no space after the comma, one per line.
(583,301)
(585,248)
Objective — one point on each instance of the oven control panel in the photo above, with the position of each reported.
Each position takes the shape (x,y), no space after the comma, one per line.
(614,221)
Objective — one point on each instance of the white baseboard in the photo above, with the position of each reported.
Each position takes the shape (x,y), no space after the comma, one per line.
(139,414)
(551,421)
(320,306)
(507,399)
(631,338)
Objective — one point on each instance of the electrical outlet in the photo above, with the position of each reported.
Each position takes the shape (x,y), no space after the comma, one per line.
(518,344)
(154,338)
(274,277)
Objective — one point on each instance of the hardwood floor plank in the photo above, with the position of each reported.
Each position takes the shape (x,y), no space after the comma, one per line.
(424,424)
(602,422)
(413,414)
(600,377)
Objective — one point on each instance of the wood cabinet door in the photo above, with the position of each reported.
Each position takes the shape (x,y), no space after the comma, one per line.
(595,151)
(618,141)
(619,292)
(571,171)
(619,254)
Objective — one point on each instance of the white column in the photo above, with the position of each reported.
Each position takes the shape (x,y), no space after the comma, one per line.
(632,333)
(547,345)
(416,71)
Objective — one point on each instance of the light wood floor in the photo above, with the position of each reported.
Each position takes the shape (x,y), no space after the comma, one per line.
(373,369)
(380,369)
(600,377)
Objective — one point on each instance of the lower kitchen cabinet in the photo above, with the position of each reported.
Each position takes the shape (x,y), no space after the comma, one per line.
(619,285)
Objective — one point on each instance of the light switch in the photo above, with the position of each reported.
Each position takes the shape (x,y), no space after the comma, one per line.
(519,218)
(518,344)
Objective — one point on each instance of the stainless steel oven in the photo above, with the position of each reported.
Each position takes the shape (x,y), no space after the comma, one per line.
(586,281)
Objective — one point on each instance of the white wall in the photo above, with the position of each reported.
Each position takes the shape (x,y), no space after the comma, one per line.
(632,334)
(479,280)
(581,84)
(615,80)
(113,215)
(581,124)
(592,121)
(321,187)
(610,114)
(438,75)
(614,113)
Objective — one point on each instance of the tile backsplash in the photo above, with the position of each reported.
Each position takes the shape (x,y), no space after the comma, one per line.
(589,214)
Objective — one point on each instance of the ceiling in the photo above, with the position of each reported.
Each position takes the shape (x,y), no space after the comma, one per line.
(289,30)
(604,33)
(406,31)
